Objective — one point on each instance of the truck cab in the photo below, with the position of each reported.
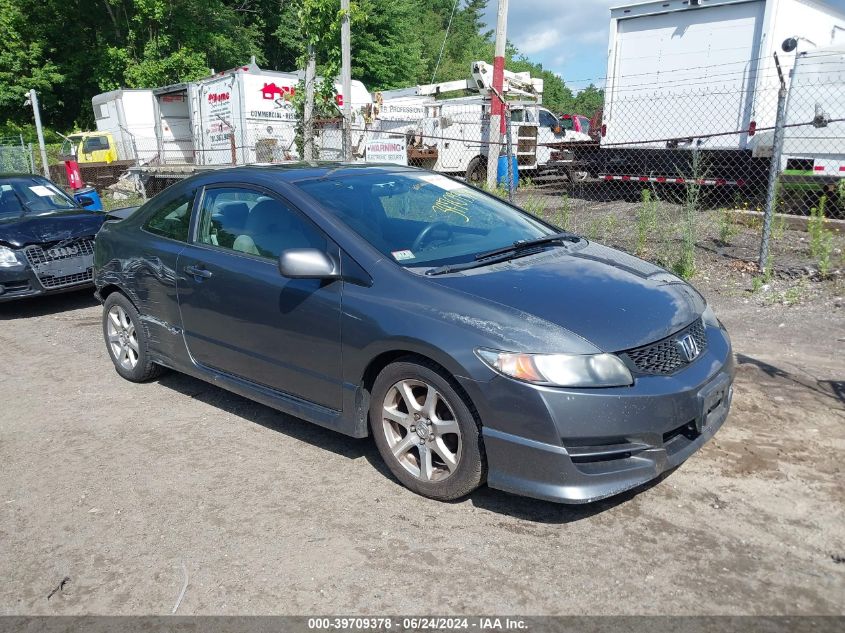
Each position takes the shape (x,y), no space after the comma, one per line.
(550,130)
(90,147)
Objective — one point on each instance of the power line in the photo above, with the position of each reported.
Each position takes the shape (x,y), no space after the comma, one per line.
(443,45)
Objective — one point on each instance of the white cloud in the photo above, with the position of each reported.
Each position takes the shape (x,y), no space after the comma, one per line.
(539,42)
(568,37)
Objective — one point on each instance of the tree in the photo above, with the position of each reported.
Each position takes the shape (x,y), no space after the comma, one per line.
(588,101)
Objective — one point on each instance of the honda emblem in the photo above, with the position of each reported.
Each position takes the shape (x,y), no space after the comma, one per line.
(688,347)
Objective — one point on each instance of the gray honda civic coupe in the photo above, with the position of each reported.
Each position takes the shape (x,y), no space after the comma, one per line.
(473,341)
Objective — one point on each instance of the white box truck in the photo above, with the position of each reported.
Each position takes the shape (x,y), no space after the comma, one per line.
(235,117)
(699,75)
(129,116)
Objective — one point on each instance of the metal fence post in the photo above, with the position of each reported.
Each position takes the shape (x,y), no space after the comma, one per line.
(774,169)
(509,151)
(31,160)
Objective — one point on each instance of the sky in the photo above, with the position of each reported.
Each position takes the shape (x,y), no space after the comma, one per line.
(568,37)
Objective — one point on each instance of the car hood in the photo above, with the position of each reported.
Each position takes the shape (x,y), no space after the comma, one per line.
(607,297)
(49,227)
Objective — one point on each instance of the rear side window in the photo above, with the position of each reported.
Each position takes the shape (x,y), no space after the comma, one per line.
(172,219)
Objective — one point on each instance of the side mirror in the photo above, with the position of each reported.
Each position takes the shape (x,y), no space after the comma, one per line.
(85,201)
(308,263)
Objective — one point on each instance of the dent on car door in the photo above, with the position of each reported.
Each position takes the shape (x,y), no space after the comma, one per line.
(241,316)
(150,272)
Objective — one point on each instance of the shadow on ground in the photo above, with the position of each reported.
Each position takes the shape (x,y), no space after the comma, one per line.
(47,305)
(351,448)
(834,389)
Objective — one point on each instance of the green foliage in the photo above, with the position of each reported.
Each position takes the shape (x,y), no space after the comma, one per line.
(535,205)
(684,264)
(727,228)
(821,238)
(564,215)
(69,53)
(646,220)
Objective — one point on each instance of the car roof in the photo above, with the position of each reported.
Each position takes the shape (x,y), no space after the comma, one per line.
(12,174)
(294,172)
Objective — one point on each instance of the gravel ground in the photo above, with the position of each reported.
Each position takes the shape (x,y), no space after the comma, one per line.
(118,486)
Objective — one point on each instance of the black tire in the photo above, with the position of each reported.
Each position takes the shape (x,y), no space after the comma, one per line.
(477,171)
(471,468)
(143,369)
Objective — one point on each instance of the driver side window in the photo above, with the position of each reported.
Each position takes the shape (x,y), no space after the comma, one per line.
(251,222)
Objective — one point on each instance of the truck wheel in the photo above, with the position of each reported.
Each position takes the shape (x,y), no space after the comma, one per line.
(477,171)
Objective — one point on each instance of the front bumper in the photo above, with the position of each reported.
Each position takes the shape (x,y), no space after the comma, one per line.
(578,446)
(22,281)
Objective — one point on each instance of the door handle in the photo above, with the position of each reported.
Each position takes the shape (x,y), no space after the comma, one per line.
(198,272)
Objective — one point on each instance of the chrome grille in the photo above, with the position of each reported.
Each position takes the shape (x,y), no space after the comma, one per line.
(65,263)
(67,249)
(664,357)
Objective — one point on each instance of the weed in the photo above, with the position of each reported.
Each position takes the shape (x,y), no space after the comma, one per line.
(564,215)
(727,228)
(593,230)
(756,284)
(821,238)
(778,227)
(646,220)
(684,264)
(535,206)
(609,226)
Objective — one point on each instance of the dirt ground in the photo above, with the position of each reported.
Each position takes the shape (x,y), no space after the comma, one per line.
(126,489)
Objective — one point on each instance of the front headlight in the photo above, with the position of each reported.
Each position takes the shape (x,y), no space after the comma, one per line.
(709,318)
(8,257)
(560,370)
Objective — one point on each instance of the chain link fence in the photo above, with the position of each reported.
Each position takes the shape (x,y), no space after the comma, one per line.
(710,164)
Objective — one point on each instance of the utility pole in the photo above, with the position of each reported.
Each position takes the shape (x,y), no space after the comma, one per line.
(33,101)
(346,79)
(308,114)
(496,99)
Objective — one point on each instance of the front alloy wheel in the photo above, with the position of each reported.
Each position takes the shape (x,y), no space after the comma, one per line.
(421,430)
(425,430)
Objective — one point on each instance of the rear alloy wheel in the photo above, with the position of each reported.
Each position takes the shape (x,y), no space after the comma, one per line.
(425,432)
(126,339)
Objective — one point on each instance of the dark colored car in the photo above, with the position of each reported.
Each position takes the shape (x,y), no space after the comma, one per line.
(472,340)
(46,239)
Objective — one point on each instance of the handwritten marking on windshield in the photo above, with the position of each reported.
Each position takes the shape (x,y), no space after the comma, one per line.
(451,202)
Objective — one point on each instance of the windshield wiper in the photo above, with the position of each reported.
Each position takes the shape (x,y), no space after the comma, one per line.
(520,245)
(517,249)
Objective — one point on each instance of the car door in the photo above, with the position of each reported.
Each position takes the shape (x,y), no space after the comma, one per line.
(150,262)
(546,135)
(240,315)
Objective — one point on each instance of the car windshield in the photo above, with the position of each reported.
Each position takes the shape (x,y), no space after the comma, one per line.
(422,219)
(24,195)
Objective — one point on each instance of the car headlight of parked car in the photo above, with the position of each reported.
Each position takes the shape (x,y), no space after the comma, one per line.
(560,370)
(8,257)
(709,318)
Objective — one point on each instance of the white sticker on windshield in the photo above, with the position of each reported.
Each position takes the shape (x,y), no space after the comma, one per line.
(41,190)
(400,255)
(441,181)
